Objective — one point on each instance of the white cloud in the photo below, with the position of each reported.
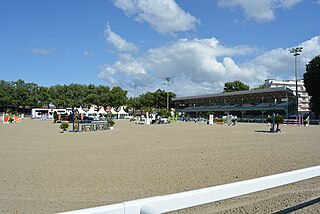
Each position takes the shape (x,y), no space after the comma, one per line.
(202,66)
(187,62)
(262,10)
(165,16)
(125,71)
(286,3)
(42,51)
(118,42)
(87,54)
(279,63)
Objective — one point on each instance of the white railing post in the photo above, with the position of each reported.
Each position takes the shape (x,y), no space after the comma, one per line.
(177,201)
(108,209)
(192,198)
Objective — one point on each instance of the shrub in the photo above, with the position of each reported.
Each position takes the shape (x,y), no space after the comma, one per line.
(132,119)
(278,119)
(164,112)
(219,120)
(269,119)
(64,126)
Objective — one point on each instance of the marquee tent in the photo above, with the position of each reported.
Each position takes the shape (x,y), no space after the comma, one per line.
(80,110)
(122,112)
(102,111)
(92,112)
(113,111)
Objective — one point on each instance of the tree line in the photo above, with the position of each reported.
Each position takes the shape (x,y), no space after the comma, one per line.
(19,93)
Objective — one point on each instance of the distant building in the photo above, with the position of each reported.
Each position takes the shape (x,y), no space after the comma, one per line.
(303,98)
(253,105)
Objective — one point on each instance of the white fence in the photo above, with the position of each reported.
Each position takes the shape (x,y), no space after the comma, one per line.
(167,203)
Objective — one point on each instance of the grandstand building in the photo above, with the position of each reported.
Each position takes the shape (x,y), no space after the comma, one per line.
(246,105)
(303,98)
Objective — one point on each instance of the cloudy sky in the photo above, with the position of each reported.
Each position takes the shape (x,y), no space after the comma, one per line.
(137,44)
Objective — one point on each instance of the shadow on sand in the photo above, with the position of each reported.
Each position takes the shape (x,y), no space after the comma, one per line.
(299,206)
(264,131)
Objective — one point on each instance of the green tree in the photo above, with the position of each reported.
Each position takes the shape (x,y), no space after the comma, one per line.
(44,98)
(92,99)
(6,93)
(171,96)
(21,93)
(312,83)
(164,112)
(76,94)
(155,100)
(235,86)
(57,95)
(33,96)
(118,97)
(160,99)
(261,87)
(147,100)
(104,95)
(134,103)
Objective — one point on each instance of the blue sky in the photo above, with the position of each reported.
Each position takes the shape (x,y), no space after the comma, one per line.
(136,44)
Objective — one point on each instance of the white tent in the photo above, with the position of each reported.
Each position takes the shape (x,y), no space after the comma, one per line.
(80,110)
(102,111)
(92,112)
(113,111)
(122,112)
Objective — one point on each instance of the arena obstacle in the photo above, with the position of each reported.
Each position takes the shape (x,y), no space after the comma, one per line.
(75,121)
(78,126)
(178,201)
(5,119)
(297,121)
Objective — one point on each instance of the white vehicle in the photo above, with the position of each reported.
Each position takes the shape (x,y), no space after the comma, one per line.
(39,113)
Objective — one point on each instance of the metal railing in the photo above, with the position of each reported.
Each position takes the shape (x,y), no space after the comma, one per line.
(177,201)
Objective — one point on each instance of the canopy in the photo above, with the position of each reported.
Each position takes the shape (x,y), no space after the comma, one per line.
(102,111)
(113,111)
(122,111)
(80,110)
(91,110)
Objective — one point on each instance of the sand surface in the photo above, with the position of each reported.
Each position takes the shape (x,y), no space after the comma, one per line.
(45,171)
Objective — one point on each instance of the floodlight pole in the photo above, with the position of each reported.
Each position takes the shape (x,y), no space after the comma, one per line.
(296,52)
(168,79)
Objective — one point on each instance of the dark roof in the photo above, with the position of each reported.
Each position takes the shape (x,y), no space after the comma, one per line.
(259,107)
(256,91)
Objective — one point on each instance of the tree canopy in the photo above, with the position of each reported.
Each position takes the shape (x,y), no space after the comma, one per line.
(312,83)
(235,86)
(151,100)
(261,87)
(18,93)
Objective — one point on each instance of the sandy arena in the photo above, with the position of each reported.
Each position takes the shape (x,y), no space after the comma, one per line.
(45,171)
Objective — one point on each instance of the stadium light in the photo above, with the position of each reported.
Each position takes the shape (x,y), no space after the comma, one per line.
(167,80)
(296,52)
